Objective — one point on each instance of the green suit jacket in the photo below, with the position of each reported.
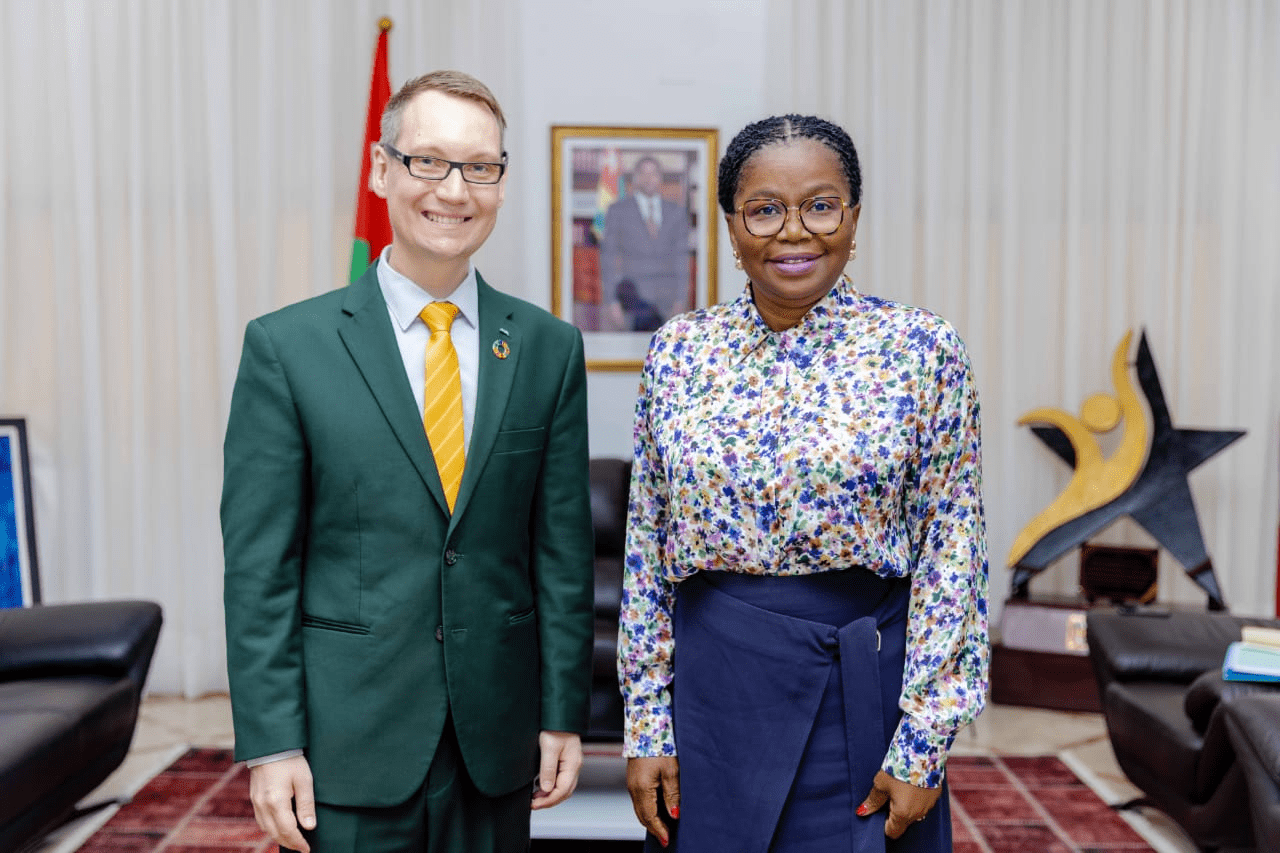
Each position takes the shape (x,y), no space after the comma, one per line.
(359,612)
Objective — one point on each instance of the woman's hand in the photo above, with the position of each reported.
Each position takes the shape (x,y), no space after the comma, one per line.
(907,803)
(647,779)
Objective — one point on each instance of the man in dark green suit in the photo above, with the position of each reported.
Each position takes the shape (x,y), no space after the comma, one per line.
(406,656)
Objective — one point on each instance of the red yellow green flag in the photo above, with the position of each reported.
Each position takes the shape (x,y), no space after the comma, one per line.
(373,228)
(608,189)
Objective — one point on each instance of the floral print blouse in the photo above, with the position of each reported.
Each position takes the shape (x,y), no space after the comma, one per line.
(849,440)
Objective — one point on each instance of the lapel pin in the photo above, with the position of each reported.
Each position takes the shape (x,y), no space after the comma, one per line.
(500,348)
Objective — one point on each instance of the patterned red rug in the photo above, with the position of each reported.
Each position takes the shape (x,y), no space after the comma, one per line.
(200,804)
(1034,803)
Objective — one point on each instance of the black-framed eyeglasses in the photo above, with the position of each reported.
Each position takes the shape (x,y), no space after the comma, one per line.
(437,169)
(820,215)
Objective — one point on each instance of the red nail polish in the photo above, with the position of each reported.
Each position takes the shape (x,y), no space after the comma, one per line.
(662,841)
(675,812)
(863,811)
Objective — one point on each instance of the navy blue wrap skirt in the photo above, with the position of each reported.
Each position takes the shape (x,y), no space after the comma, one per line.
(785,698)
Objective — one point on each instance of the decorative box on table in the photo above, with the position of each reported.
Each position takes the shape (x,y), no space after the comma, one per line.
(1042,658)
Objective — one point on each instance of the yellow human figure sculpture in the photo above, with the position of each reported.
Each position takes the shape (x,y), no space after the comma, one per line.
(1096,481)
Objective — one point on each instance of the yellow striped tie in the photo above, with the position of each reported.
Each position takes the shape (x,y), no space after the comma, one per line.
(442,398)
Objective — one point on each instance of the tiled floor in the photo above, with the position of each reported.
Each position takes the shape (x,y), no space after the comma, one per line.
(167,724)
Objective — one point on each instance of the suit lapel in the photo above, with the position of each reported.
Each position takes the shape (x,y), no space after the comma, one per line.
(370,340)
(500,351)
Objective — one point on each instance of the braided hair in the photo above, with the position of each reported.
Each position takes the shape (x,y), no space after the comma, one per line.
(785,128)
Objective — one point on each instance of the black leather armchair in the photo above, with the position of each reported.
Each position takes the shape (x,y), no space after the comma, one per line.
(610,484)
(71,678)
(1165,703)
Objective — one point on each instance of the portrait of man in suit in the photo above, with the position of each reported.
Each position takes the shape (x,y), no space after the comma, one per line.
(646,241)
(407,526)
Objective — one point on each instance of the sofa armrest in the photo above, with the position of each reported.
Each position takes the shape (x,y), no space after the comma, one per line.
(1210,690)
(1257,722)
(100,637)
(1176,648)
(1253,723)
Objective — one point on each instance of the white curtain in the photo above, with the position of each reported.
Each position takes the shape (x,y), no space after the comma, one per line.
(1050,174)
(1044,174)
(173,168)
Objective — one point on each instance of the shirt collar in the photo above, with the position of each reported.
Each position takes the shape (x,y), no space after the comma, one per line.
(406,299)
(748,330)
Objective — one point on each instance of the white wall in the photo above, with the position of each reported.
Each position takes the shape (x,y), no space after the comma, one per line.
(682,63)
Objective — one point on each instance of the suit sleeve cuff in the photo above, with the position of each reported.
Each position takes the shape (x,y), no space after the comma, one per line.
(275,756)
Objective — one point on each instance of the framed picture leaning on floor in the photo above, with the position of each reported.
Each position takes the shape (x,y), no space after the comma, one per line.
(19,575)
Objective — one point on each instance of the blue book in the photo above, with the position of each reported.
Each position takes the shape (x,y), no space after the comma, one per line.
(1251,662)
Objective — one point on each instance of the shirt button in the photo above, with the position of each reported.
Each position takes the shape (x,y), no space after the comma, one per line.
(450,557)
(440,633)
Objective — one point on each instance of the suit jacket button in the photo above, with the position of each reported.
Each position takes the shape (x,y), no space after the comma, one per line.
(440,633)
(450,557)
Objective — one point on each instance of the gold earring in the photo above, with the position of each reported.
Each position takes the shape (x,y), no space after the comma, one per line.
(737,260)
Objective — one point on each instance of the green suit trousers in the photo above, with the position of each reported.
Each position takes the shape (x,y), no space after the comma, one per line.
(446,815)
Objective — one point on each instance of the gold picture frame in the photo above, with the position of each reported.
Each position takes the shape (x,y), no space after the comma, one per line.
(606,231)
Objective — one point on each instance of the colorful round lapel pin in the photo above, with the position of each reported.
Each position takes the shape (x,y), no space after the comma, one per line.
(500,348)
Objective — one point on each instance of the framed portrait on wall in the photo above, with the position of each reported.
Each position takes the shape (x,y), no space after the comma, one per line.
(633,233)
(19,575)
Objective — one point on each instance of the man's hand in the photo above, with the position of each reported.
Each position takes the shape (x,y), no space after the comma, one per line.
(647,778)
(907,803)
(558,770)
(277,789)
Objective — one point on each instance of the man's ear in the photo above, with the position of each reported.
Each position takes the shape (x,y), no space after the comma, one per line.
(378,164)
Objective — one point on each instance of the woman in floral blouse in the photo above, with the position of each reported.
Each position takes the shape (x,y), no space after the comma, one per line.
(804,615)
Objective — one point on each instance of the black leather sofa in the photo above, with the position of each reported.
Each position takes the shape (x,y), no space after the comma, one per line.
(610,483)
(1166,708)
(71,678)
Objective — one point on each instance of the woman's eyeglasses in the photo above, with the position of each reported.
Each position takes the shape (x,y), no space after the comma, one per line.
(820,215)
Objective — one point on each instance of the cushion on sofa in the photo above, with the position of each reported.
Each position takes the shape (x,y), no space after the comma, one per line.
(53,727)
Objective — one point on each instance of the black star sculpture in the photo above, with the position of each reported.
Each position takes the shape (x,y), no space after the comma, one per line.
(1159,500)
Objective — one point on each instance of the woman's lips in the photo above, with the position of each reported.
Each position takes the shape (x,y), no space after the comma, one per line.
(794,264)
